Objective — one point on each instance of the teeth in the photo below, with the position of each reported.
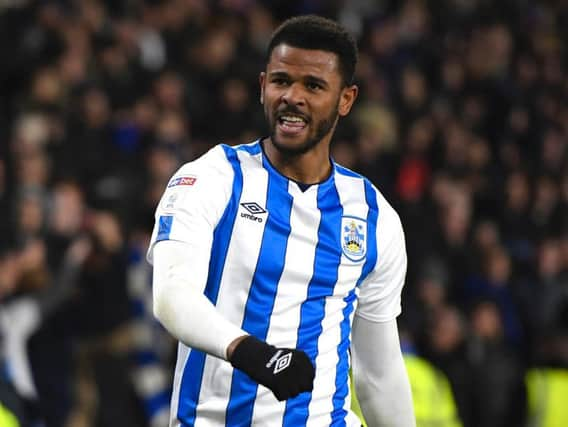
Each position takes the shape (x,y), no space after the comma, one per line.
(292,119)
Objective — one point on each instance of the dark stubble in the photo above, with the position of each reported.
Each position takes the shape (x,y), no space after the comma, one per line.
(324,127)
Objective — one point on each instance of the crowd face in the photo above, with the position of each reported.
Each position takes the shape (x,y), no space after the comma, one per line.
(303,97)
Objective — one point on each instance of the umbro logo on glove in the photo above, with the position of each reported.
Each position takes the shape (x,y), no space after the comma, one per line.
(280,363)
(286,372)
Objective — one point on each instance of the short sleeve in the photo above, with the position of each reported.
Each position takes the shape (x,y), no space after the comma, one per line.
(193,202)
(380,293)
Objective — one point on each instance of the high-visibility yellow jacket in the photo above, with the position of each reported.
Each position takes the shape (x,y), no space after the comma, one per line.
(547,397)
(7,419)
(432,396)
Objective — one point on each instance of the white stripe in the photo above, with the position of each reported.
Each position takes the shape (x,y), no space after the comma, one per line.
(285,320)
(321,404)
(352,198)
(237,275)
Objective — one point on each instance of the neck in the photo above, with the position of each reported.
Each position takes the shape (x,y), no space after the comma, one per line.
(311,167)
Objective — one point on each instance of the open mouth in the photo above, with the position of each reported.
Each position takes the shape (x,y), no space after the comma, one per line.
(291,123)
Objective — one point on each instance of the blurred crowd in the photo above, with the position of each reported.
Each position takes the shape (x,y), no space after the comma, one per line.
(461,121)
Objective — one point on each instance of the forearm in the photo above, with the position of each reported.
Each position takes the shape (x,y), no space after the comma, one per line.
(380,377)
(181,306)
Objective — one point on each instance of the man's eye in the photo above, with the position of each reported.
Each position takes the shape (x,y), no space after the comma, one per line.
(280,82)
(314,86)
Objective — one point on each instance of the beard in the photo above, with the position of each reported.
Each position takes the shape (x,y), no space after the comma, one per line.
(323,128)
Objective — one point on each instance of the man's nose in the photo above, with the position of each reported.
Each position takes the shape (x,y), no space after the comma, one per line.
(294,94)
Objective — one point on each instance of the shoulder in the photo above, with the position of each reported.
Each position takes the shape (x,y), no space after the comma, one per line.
(214,160)
(208,177)
(353,186)
(227,156)
(216,165)
(386,213)
(388,216)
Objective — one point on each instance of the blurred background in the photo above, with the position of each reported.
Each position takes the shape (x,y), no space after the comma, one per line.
(461,121)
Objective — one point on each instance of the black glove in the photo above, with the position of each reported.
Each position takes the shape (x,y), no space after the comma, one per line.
(285,371)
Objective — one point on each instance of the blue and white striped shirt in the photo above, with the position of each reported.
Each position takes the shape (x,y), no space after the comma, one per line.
(290,267)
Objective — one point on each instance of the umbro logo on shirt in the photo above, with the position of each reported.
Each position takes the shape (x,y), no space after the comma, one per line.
(253,209)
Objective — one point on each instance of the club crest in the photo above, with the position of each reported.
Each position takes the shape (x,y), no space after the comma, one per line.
(353,238)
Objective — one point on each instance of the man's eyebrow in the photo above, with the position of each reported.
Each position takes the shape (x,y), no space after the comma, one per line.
(310,78)
(281,74)
(313,79)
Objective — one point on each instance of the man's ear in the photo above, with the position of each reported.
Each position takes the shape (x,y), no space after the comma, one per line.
(348,96)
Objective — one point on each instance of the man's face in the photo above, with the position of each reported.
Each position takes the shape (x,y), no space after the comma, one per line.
(303,96)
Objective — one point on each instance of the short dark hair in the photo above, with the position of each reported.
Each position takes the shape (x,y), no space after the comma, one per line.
(318,33)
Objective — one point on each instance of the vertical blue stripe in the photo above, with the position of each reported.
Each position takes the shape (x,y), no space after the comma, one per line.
(252,149)
(324,278)
(164,227)
(262,293)
(193,372)
(372,218)
(342,369)
(342,376)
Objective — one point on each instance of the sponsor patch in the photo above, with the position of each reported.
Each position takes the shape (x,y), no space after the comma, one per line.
(182,180)
(164,227)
